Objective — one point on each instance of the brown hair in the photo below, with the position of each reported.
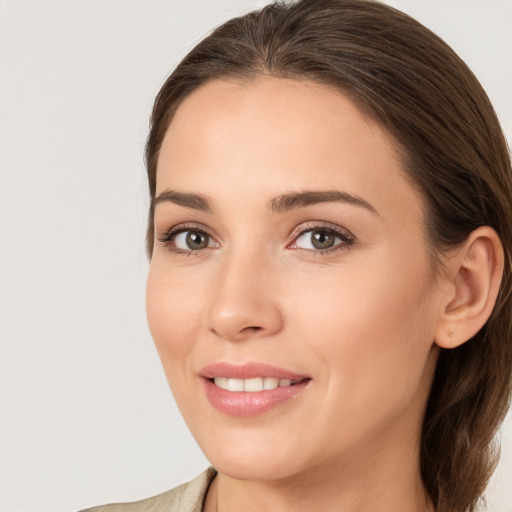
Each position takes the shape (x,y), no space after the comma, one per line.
(416,87)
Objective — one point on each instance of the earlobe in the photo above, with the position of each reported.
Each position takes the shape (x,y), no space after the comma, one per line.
(475,273)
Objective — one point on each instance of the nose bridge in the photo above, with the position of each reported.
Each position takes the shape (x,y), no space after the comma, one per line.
(244,302)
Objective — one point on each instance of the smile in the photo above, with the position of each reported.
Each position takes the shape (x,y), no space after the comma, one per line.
(250,389)
(253,385)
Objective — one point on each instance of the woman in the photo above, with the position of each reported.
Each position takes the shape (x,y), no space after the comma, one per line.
(330,282)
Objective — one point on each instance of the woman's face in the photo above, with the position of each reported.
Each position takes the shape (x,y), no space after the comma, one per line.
(289,245)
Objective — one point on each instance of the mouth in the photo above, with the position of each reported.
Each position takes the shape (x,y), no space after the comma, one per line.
(253,385)
(250,389)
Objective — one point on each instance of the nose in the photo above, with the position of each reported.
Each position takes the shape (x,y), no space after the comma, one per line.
(245,301)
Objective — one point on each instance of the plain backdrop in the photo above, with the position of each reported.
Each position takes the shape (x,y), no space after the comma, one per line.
(86,415)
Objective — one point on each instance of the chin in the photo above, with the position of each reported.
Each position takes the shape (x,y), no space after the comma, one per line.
(250,455)
(258,468)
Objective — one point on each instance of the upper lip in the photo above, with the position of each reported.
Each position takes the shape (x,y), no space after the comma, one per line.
(248,371)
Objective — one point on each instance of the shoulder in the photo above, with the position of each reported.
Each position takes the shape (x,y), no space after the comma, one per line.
(187,497)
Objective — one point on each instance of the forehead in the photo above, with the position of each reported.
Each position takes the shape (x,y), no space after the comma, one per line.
(275,134)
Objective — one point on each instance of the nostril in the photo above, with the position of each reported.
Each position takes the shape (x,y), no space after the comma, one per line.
(251,329)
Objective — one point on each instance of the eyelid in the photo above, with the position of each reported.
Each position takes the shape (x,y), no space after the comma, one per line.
(170,234)
(347,238)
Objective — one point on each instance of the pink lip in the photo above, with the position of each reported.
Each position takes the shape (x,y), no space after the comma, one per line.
(246,404)
(247,371)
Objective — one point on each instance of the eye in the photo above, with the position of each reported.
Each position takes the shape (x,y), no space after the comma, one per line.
(322,239)
(317,240)
(187,240)
(192,240)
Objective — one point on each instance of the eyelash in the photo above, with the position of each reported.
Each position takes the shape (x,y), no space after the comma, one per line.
(168,238)
(346,237)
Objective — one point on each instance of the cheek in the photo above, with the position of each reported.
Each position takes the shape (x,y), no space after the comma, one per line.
(377,299)
(371,327)
(172,306)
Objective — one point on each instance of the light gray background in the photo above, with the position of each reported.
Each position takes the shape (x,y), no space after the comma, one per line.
(86,416)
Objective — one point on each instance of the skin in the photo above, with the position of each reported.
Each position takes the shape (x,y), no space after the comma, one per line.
(360,320)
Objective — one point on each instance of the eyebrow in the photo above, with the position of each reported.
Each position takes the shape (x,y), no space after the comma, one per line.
(283,203)
(293,200)
(194,201)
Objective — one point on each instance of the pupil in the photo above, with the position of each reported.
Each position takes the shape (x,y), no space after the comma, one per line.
(322,239)
(196,240)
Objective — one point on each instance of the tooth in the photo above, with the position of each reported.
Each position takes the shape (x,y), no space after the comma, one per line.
(222,382)
(235,385)
(270,382)
(251,385)
(255,384)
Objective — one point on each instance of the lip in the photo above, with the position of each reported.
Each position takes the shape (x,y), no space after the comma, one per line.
(249,404)
(248,371)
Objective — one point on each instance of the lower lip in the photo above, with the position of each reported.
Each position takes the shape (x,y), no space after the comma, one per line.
(243,403)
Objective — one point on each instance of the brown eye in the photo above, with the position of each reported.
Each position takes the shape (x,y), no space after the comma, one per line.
(318,239)
(196,240)
(192,240)
(322,239)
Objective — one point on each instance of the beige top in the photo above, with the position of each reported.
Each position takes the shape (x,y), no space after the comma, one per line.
(184,498)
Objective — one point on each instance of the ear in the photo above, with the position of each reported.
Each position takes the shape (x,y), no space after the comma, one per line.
(471,285)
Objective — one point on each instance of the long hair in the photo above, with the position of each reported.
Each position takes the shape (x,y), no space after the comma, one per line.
(453,151)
